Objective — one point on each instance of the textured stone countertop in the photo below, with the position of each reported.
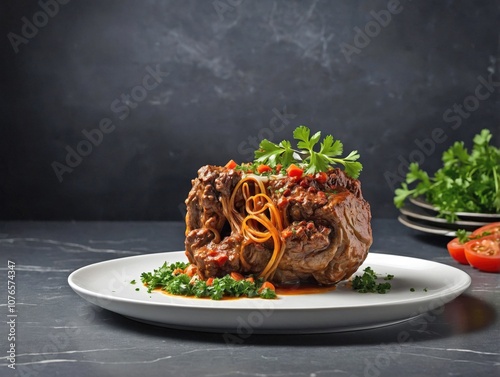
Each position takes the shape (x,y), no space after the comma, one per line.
(56,333)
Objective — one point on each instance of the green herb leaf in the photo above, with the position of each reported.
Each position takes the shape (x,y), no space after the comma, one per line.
(467,181)
(269,153)
(367,283)
(462,235)
(306,156)
(168,279)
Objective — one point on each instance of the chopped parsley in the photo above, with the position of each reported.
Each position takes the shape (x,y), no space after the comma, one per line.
(172,279)
(367,283)
(413,289)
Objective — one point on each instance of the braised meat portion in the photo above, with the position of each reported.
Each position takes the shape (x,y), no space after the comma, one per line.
(324,232)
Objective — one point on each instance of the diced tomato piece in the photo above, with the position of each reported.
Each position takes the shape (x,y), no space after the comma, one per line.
(294,171)
(263,169)
(321,177)
(210,282)
(221,259)
(278,168)
(268,285)
(191,270)
(237,276)
(250,279)
(177,271)
(231,164)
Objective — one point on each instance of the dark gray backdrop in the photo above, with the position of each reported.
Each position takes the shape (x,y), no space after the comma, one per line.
(174,85)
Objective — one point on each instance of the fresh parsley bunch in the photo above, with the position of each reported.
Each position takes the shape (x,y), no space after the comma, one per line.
(305,156)
(467,182)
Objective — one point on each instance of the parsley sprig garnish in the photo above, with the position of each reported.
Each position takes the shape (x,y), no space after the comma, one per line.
(467,182)
(305,154)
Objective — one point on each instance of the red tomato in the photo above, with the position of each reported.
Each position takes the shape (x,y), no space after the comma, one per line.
(489,228)
(237,276)
(191,270)
(231,164)
(263,168)
(294,171)
(484,253)
(321,177)
(457,251)
(220,259)
(267,285)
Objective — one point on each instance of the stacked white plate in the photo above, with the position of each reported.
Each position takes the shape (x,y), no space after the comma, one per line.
(422,216)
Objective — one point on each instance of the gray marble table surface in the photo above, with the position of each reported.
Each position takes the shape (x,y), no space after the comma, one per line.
(57,333)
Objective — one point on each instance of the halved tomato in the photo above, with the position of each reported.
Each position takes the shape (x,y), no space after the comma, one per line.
(484,253)
(457,251)
(491,228)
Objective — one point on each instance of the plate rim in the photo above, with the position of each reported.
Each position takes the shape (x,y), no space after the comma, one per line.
(403,219)
(421,202)
(461,282)
(410,211)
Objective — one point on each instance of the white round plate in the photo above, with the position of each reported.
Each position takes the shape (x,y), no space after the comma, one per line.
(418,286)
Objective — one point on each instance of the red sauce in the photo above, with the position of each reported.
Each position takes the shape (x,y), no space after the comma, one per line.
(198,298)
(304,289)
